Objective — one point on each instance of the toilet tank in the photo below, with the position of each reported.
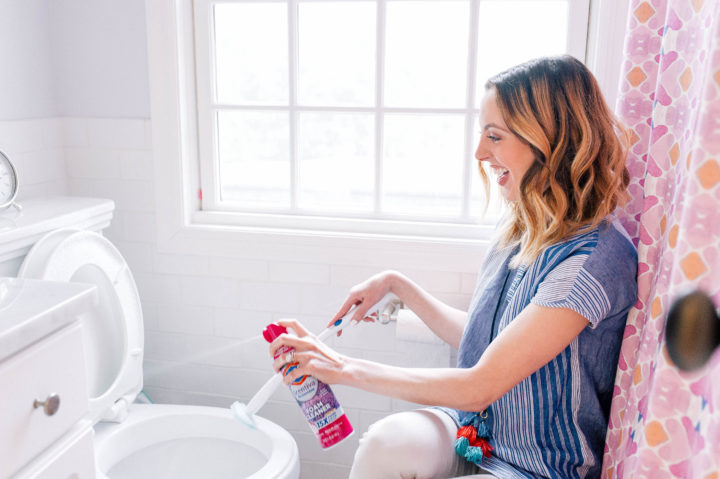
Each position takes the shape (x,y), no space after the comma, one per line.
(19,231)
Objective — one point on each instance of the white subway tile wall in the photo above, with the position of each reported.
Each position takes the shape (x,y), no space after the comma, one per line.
(36,149)
(203,314)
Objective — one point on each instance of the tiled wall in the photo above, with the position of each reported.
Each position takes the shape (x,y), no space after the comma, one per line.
(35,148)
(203,314)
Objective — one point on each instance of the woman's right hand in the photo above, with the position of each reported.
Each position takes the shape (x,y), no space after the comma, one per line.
(365,295)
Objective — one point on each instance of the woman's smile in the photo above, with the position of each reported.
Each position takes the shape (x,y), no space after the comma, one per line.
(501,174)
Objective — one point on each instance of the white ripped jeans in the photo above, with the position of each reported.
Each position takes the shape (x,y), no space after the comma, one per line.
(412,445)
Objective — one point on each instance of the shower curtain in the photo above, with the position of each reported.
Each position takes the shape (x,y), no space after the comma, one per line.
(665,423)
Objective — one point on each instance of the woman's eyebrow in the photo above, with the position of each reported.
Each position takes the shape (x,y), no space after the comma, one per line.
(494,125)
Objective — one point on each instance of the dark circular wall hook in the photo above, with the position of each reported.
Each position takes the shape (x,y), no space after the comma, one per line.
(692,330)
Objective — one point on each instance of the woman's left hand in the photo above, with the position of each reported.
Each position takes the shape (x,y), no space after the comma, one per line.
(312,356)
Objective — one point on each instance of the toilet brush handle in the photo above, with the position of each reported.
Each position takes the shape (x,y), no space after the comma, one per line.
(263,394)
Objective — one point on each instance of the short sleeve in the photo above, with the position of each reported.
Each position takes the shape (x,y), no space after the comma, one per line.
(570,285)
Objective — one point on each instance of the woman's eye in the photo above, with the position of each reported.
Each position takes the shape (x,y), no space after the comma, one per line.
(493,138)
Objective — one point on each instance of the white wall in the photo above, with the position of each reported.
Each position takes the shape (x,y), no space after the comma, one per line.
(99,55)
(26,81)
(30,131)
(36,148)
(66,58)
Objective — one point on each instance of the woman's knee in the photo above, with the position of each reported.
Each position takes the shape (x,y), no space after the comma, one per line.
(405,445)
(387,436)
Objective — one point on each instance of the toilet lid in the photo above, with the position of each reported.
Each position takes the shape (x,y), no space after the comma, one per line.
(113,329)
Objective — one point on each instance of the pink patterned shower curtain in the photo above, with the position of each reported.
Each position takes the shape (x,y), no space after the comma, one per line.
(665,423)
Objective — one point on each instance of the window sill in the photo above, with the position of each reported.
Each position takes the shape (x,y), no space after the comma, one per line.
(206,234)
(347,227)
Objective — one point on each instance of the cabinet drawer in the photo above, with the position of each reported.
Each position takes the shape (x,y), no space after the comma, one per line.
(72,458)
(54,365)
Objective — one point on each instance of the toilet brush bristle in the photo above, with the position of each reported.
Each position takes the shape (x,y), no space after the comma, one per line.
(242,414)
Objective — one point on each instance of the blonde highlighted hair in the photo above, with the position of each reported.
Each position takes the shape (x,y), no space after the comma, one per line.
(579,177)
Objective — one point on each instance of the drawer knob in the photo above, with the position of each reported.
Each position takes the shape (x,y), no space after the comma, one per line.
(49,405)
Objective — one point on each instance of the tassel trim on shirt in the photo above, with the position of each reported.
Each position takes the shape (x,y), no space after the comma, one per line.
(473,438)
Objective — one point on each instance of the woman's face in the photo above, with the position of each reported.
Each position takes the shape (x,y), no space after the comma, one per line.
(507,155)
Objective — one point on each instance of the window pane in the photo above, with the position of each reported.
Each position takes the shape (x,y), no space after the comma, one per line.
(251,48)
(336,169)
(423,164)
(253,149)
(426,53)
(336,53)
(507,38)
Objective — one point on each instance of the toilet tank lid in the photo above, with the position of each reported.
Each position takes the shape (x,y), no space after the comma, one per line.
(19,231)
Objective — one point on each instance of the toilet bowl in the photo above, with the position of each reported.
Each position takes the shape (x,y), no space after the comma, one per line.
(138,441)
(191,442)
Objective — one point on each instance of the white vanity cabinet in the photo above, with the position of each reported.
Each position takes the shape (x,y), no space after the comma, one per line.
(44,429)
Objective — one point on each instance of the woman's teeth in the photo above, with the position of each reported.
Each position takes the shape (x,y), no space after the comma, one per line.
(501,174)
(500,171)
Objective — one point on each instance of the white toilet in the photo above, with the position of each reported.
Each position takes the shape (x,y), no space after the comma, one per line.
(138,441)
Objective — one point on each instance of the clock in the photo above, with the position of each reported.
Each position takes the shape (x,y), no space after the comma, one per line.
(8,183)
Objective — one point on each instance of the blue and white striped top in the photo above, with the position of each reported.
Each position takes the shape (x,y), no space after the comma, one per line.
(553,423)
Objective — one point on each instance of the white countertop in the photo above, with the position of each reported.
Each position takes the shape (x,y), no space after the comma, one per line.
(31,309)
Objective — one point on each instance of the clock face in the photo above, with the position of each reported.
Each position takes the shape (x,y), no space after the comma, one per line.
(8,181)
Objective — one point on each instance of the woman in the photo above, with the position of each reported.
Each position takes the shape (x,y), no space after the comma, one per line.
(538,348)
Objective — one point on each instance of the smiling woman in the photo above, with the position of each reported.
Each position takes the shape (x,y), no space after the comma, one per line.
(538,348)
(568,170)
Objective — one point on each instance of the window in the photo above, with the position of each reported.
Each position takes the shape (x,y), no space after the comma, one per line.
(358,115)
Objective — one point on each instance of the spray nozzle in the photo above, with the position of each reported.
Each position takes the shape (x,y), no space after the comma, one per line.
(272,331)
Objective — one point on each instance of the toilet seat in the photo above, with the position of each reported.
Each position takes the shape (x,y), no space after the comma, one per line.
(115,376)
(114,367)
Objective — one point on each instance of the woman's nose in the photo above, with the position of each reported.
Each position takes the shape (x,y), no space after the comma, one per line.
(481,153)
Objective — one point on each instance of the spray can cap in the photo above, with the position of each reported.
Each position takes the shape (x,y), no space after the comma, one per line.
(272,331)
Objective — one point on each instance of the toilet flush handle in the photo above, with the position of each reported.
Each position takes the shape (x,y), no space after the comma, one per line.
(49,405)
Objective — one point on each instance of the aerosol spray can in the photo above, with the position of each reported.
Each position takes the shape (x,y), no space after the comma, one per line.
(315,398)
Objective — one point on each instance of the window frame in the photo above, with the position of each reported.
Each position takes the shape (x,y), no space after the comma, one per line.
(183,226)
(463,225)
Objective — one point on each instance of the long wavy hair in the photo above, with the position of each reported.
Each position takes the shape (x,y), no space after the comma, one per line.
(578,178)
